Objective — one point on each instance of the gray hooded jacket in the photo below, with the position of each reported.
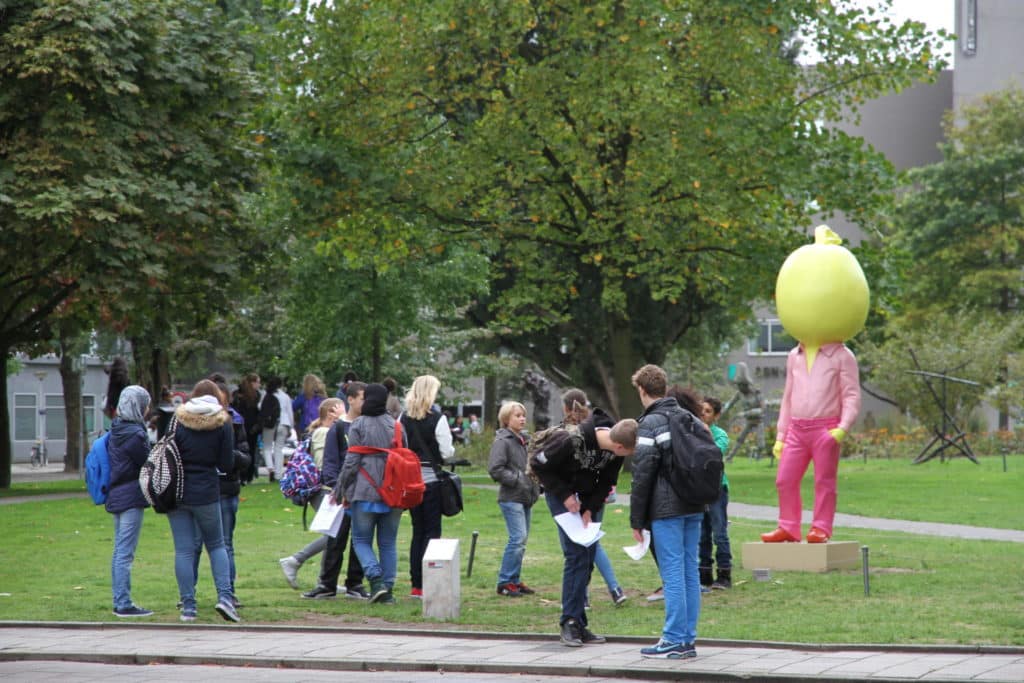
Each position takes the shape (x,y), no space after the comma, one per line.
(507,466)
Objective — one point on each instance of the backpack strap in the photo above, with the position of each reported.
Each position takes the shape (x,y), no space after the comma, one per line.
(396,442)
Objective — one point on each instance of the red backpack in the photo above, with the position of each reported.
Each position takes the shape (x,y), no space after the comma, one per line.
(403,485)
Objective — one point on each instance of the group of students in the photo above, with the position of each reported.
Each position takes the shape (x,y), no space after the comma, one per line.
(576,471)
(375,419)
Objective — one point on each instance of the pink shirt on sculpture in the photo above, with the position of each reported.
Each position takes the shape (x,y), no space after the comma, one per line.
(830,389)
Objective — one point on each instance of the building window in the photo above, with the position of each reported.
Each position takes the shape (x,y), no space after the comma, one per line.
(56,425)
(24,417)
(772,340)
(88,414)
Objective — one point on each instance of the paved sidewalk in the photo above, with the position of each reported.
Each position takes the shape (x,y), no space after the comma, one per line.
(364,650)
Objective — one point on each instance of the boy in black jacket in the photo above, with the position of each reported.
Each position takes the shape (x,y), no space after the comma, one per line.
(674,522)
(578,469)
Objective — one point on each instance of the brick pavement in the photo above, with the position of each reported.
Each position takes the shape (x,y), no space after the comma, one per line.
(362,650)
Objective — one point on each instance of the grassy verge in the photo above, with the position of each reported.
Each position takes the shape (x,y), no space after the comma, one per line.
(923,589)
(40,488)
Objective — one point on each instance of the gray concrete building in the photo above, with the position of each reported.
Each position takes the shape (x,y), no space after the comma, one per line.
(35,400)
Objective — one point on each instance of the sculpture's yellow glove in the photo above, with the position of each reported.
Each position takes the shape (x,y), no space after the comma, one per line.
(838,434)
(777,450)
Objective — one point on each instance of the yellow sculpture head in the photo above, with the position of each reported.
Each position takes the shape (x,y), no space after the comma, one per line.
(821,293)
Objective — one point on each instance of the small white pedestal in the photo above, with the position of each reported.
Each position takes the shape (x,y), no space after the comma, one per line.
(442,589)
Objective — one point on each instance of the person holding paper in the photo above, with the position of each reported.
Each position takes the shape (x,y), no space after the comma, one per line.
(674,523)
(577,470)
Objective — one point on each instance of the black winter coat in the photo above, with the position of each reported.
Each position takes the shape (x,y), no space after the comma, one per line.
(231,481)
(578,465)
(652,496)
(206,443)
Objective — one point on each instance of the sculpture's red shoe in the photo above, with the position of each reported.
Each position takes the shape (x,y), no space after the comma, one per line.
(816,535)
(780,535)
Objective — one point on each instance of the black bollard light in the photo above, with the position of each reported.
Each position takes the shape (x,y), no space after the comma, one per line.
(864,564)
(472,552)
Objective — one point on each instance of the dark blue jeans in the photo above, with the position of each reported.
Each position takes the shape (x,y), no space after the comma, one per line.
(716,529)
(579,564)
(228,517)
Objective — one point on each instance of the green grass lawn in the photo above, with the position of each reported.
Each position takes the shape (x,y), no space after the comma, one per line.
(56,565)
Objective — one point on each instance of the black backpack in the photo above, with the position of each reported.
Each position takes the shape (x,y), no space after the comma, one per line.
(270,411)
(693,467)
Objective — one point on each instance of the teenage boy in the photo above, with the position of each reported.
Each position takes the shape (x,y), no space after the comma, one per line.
(578,471)
(715,526)
(674,523)
(335,450)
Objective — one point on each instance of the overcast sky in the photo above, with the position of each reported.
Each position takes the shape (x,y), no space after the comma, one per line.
(935,13)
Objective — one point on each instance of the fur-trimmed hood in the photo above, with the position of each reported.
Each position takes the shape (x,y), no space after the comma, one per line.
(201,423)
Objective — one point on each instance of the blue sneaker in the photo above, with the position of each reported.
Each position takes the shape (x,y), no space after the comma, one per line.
(666,650)
(132,611)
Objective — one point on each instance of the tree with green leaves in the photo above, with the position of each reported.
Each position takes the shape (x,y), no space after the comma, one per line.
(955,342)
(122,158)
(961,225)
(630,169)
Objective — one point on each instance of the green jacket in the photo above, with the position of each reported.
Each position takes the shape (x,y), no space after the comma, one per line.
(721,438)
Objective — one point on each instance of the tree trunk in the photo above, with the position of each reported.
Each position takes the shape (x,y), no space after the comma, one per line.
(490,407)
(150,366)
(71,379)
(625,360)
(376,352)
(5,426)
(377,356)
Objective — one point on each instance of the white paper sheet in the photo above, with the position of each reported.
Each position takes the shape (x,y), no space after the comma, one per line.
(640,549)
(572,525)
(328,518)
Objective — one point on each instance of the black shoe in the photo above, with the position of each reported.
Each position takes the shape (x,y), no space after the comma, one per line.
(357,593)
(590,638)
(724,581)
(570,634)
(132,611)
(378,590)
(321,593)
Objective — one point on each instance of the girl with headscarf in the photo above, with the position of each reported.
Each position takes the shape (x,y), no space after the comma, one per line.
(127,449)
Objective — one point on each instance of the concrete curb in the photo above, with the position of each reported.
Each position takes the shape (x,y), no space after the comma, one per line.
(512,635)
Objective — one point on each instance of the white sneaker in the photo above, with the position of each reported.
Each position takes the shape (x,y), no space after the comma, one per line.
(227,610)
(659,594)
(290,567)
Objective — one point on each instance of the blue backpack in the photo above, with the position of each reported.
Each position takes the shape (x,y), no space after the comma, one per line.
(97,470)
(301,478)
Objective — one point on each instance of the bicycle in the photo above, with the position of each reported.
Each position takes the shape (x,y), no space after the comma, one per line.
(39,456)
